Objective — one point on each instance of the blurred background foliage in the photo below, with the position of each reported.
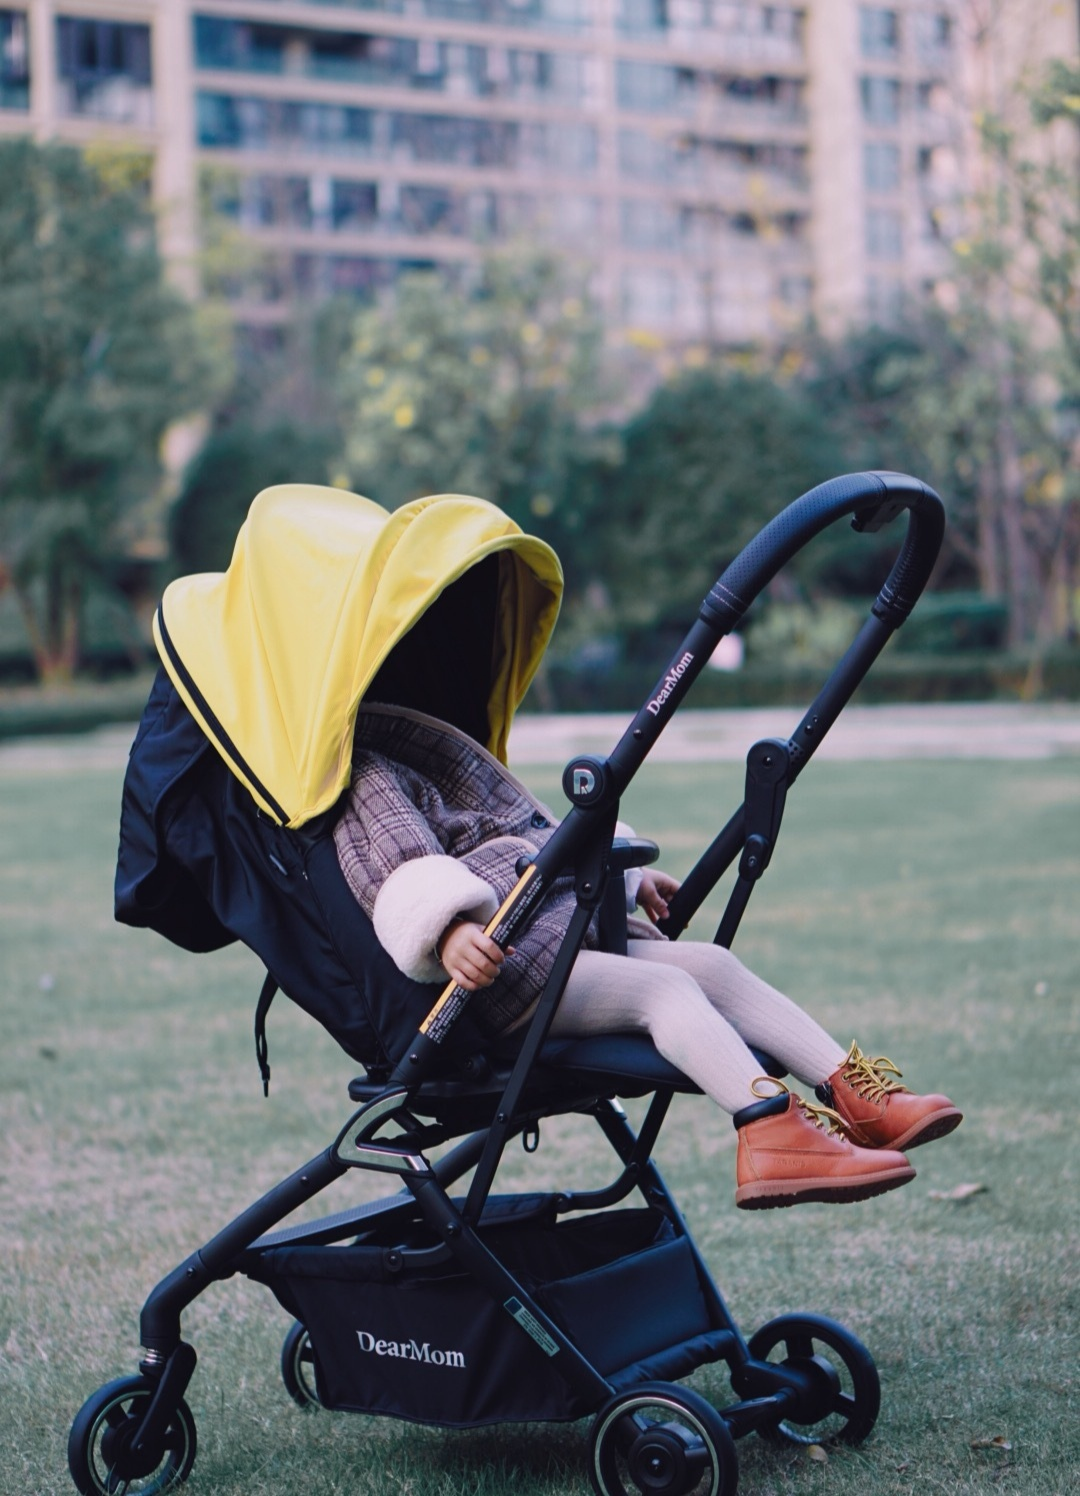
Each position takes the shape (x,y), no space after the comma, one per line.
(507,386)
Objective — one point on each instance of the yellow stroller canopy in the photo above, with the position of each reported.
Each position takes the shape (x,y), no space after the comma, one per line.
(273,656)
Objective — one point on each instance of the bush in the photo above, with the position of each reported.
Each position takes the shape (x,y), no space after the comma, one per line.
(897,677)
(955,622)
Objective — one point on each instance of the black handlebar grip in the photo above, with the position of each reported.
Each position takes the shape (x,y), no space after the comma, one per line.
(912,568)
(872,499)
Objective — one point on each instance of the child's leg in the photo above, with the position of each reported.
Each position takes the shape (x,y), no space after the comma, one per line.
(763,1016)
(784,1156)
(609,994)
(879,1112)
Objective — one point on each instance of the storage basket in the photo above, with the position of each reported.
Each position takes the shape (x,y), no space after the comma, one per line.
(428,1343)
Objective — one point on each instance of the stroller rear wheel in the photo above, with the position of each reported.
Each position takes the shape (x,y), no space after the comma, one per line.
(844,1399)
(100,1454)
(298,1367)
(661,1440)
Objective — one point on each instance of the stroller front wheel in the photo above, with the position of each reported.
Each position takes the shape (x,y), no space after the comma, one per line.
(661,1440)
(846,1397)
(101,1458)
(298,1367)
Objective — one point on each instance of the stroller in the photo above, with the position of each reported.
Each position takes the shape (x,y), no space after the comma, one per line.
(443,1302)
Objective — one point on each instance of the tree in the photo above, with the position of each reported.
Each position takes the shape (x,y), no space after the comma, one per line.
(712,456)
(1017,303)
(493,388)
(281,421)
(235,463)
(98,355)
(915,399)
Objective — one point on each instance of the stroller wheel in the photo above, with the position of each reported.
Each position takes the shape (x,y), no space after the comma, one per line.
(846,1393)
(661,1440)
(298,1367)
(100,1456)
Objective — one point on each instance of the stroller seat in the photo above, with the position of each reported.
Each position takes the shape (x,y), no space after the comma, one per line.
(610,1065)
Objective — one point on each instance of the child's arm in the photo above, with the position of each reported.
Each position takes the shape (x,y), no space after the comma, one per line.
(397,869)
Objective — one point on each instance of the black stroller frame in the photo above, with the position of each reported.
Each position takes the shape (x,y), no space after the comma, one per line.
(609,1307)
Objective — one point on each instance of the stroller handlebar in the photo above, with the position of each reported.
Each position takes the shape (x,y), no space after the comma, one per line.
(594,786)
(873,500)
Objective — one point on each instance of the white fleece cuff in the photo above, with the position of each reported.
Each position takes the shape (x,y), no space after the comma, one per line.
(418,901)
(633,875)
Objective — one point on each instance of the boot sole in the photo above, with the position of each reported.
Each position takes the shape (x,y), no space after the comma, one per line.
(778,1193)
(928,1130)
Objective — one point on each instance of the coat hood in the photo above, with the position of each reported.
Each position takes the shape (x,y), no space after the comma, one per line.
(274,655)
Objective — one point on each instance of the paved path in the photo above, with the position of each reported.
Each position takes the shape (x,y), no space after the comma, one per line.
(976,730)
(990,730)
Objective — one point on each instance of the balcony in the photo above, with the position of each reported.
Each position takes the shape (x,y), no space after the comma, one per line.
(714,166)
(710,99)
(298,127)
(754,36)
(564,16)
(424,64)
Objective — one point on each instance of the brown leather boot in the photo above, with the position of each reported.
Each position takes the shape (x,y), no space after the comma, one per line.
(791,1150)
(879,1111)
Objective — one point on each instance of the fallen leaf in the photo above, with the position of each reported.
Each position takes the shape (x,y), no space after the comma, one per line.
(999,1441)
(959,1192)
(817,1454)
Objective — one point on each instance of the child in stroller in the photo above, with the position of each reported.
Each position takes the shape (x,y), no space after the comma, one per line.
(292,686)
(429,840)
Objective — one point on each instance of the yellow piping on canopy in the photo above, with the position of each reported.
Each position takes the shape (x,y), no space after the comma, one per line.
(274,655)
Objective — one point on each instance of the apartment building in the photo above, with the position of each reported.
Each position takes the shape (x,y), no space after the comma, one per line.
(727,167)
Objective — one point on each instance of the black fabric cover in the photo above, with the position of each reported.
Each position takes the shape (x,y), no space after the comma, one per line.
(430,1345)
(201,865)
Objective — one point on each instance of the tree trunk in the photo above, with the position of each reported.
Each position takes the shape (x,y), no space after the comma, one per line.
(1021,565)
(55,651)
(988,537)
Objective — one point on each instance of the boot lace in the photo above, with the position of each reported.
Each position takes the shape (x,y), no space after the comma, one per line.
(868,1077)
(823,1117)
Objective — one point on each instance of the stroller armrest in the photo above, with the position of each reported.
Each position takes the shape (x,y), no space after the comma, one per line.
(632,851)
(626,852)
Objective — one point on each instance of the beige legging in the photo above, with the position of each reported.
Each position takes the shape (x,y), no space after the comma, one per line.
(701,1007)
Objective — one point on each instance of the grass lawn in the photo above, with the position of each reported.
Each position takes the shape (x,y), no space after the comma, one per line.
(928,909)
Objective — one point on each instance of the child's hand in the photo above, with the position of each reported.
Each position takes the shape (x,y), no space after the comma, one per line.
(654,892)
(470,958)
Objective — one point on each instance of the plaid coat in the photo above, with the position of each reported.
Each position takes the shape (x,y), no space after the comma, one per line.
(433,828)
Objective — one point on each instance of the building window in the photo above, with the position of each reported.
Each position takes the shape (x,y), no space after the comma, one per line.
(645,85)
(884,300)
(232,123)
(433,210)
(796,291)
(544,15)
(879,32)
(14,61)
(646,224)
(354,206)
(220,43)
(933,35)
(881,166)
(104,69)
(884,234)
(648,297)
(880,100)
(642,17)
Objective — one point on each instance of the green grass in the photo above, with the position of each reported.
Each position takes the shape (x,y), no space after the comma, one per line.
(927,908)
